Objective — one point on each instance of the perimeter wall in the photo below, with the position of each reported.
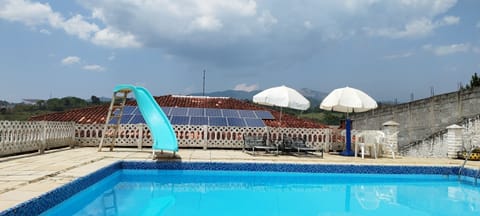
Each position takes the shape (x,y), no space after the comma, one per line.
(423,118)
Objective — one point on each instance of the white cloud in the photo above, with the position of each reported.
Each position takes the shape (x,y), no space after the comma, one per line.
(434,6)
(447,49)
(245,87)
(45,31)
(94,68)
(220,24)
(267,20)
(478,24)
(417,28)
(38,14)
(30,13)
(71,60)
(112,38)
(450,20)
(79,27)
(308,25)
(206,23)
(400,55)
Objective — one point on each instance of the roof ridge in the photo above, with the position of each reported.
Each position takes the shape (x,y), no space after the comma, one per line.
(198,96)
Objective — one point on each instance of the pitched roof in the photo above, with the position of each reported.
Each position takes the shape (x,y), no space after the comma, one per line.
(98,114)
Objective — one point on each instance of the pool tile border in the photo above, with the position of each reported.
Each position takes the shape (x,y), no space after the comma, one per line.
(48,200)
(312,168)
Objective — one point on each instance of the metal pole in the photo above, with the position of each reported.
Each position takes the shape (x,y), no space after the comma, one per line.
(348,138)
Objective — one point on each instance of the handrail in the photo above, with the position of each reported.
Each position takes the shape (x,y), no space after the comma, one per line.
(477,176)
(465,161)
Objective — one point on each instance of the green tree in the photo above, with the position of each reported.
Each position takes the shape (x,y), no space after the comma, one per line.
(73,102)
(474,82)
(41,104)
(3,103)
(55,104)
(95,99)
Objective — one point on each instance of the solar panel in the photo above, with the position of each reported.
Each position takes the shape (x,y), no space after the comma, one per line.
(254,122)
(230,113)
(128,110)
(213,112)
(123,120)
(236,122)
(137,119)
(166,110)
(113,121)
(180,120)
(247,114)
(200,116)
(178,111)
(116,111)
(196,112)
(264,114)
(200,120)
(137,112)
(217,121)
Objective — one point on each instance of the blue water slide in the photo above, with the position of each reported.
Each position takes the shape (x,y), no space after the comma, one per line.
(161,130)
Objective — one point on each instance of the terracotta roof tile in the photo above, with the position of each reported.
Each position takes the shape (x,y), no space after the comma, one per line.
(97,114)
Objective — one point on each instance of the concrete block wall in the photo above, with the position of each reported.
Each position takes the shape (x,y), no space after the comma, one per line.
(421,118)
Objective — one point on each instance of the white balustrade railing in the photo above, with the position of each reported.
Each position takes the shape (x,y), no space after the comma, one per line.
(20,136)
(17,137)
(199,136)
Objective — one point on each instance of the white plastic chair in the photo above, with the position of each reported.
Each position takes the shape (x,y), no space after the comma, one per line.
(370,139)
(388,141)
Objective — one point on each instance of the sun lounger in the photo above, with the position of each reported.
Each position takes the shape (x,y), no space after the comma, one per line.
(248,142)
(285,144)
(299,145)
(257,142)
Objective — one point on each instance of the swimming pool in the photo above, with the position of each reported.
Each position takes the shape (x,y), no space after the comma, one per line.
(174,188)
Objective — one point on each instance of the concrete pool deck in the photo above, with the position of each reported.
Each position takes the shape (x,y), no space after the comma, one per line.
(24,177)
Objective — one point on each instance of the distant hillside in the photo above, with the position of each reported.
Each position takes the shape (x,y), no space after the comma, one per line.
(241,95)
(4,103)
(315,97)
(102,99)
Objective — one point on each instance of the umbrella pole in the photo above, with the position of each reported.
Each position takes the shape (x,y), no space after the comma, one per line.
(348,139)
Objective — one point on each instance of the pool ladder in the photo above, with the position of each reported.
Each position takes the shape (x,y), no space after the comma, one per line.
(460,171)
(109,200)
(115,112)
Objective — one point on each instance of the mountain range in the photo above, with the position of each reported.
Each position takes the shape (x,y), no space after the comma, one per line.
(315,97)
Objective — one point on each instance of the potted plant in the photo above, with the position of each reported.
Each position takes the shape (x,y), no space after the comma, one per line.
(475,155)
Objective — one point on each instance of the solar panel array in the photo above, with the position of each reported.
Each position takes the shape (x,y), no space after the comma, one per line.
(200,116)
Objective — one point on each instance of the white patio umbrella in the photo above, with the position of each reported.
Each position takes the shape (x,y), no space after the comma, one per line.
(348,100)
(283,97)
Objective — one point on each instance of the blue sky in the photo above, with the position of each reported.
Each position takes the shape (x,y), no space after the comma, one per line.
(389,49)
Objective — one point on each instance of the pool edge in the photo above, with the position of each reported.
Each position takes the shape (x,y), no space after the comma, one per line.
(51,198)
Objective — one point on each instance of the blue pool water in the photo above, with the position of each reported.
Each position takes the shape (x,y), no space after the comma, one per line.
(219,192)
